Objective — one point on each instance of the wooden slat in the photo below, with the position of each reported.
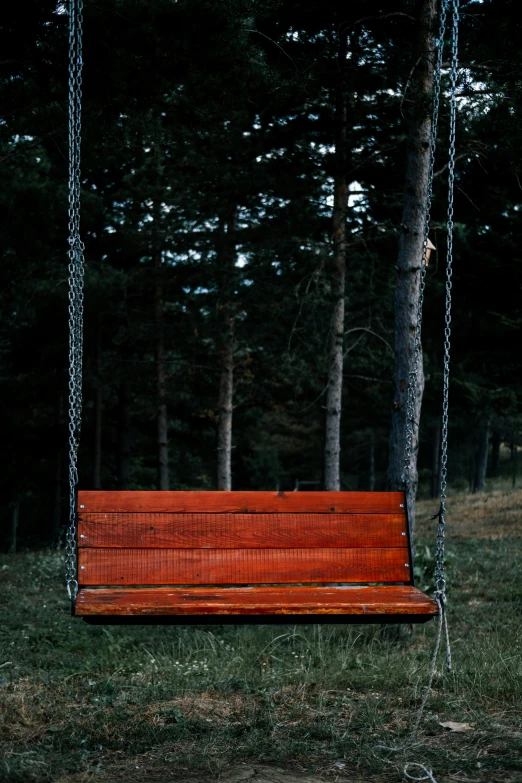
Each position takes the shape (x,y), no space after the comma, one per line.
(229,531)
(243,502)
(240,566)
(391,600)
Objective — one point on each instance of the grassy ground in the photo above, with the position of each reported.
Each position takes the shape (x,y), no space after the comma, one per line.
(81,703)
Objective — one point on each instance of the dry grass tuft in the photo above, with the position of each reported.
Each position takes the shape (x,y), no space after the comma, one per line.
(208,705)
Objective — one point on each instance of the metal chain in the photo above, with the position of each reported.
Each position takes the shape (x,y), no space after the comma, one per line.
(414,371)
(76,271)
(440,582)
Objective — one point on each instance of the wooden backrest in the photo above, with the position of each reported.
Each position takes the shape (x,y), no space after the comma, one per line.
(204,538)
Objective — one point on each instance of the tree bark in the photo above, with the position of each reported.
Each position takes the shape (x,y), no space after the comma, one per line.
(481,463)
(98,408)
(332,446)
(124,438)
(495,453)
(226,375)
(161,381)
(226,396)
(371,476)
(409,259)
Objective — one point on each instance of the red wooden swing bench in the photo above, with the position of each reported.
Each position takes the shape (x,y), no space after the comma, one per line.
(273,556)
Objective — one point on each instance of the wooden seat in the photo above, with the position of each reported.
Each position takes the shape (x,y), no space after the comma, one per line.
(196,556)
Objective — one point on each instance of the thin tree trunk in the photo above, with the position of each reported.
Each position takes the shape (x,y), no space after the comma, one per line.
(332,446)
(410,256)
(514,454)
(98,408)
(226,377)
(161,381)
(481,464)
(471,472)
(124,437)
(371,476)
(435,461)
(226,396)
(495,453)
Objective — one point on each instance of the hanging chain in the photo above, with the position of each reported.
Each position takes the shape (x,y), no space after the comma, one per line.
(414,371)
(440,582)
(76,269)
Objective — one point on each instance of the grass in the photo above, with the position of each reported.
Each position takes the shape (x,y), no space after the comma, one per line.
(82,703)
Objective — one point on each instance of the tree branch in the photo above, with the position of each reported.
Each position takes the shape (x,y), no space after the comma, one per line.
(458,157)
(384,16)
(365,329)
(368,378)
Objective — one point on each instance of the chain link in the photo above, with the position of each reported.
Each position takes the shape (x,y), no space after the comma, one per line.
(76,272)
(414,371)
(440,582)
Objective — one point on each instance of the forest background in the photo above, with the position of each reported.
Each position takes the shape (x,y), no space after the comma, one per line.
(210,157)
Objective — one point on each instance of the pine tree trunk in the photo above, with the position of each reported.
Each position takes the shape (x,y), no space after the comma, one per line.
(410,256)
(332,446)
(161,383)
(226,376)
(371,476)
(98,407)
(124,439)
(435,461)
(481,463)
(226,396)
(495,453)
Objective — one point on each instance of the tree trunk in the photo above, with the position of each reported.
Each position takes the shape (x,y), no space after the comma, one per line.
(98,406)
(409,259)
(161,382)
(226,396)
(124,439)
(495,453)
(332,446)
(371,472)
(226,377)
(481,463)
(514,454)
(435,461)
